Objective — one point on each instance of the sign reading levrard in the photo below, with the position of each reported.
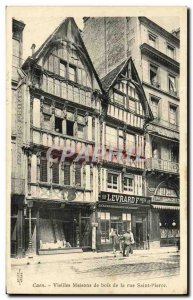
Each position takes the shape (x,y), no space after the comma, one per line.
(122,198)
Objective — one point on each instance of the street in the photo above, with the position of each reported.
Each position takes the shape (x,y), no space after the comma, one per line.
(82,270)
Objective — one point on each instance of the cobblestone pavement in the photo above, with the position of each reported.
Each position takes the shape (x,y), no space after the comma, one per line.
(136,267)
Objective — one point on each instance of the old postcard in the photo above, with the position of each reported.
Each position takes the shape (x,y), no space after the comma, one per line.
(97,150)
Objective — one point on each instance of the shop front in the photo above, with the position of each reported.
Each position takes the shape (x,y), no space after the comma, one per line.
(169,220)
(122,212)
(53,228)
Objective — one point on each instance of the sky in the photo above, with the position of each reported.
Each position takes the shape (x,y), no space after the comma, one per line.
(39,26)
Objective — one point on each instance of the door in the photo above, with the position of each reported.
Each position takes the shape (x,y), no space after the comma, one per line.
(139,236)
(85,236)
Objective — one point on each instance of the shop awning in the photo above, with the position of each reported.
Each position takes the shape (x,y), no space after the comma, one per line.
(165,207)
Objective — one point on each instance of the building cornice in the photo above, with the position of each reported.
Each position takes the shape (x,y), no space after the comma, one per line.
(19,25)
(169,36)
(160,90)
(160,57)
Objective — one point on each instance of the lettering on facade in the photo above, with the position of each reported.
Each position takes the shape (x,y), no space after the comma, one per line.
(122,198)
(171,200)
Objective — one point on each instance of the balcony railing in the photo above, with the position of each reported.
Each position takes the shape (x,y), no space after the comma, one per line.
(17,186)
(155,83)
(165,123)
(162,165)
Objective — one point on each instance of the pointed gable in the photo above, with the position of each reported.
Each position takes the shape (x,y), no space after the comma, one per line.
(124,80)
(64,45)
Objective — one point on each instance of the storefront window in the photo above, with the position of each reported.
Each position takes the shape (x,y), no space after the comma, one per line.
(105,227)
(169,227)
(118,221)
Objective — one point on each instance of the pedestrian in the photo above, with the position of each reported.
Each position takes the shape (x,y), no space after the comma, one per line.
(128,243)
(114,240)
(121,241)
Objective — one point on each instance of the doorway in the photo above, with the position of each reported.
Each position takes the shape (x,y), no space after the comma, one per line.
(139,236)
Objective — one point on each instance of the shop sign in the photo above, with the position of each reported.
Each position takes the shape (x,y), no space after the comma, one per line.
(161,199)
(124,199)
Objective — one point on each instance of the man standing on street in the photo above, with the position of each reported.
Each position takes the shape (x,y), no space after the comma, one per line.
(128,241)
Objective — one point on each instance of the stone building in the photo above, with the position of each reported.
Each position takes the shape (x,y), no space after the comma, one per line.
(155,53)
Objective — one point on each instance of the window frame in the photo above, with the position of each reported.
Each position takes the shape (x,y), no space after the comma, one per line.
(110,188)
(156,99)
(155,37)
(157,82)
(176,114)
(174,50)
(70,66)
(126,188)
(176,86)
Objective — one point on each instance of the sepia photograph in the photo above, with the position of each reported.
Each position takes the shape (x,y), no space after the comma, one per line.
(97,159)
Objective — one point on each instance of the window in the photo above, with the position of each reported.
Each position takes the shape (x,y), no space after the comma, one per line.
(172,84)
(152,40)
(120,145)
(112,182)
(111,136)
(66,167)
(46,122)
(128,184)
(172,115)
(118,98)
(132,104)
(155,107)
(105,226)
(130,143)
(78,167)
(62,69)
(58,124)
(154,75)
(80,131)
(72,73)
(70,128)
(171,51)
(55,172)
(165,191)
(43,170)
(174,154)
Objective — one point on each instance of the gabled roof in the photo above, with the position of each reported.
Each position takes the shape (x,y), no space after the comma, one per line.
(112,77)
(59,34)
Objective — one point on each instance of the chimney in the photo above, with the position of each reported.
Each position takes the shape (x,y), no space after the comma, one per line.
(33,46)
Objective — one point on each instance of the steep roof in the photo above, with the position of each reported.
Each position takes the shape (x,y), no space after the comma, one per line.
(59,34)
(109,80)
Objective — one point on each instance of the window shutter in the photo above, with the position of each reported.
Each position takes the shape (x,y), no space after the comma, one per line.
(55,173)
(78,174)
(67,174)
(43,170)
